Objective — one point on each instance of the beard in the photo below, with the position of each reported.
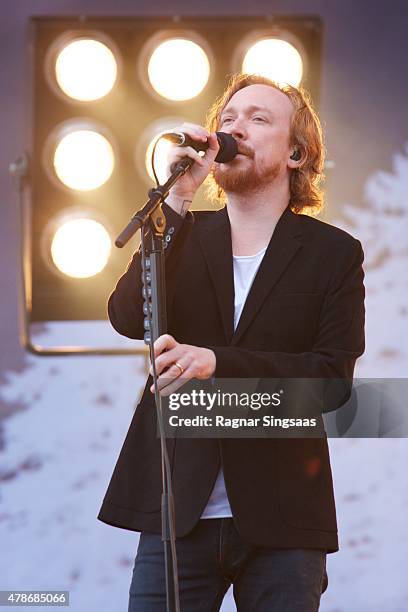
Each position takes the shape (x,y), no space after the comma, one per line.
(232,178)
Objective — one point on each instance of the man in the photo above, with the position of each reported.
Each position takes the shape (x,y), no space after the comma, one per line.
(255,289)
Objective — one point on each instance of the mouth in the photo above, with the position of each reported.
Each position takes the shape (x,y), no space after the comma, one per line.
(248,154)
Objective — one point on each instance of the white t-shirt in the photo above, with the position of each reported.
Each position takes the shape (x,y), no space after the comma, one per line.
(245,269)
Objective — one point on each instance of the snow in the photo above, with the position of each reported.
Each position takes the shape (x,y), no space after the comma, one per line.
(58,457)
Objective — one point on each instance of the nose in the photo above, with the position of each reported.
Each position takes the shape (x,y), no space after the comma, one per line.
(237,128)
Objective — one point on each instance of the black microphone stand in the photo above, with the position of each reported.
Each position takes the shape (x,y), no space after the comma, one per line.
(152,222)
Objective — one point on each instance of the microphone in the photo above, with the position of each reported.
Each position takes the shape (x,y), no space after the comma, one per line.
(228,145)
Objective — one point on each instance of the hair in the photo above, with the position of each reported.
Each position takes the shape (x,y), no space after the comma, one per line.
(305,136)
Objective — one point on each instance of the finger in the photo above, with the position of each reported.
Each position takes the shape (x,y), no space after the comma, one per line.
(213,148)
(194,131)
(167,359)
(166,387)
(179,152)
(169,372)
(213,143)
(176,384)
(167,378)
(164,342)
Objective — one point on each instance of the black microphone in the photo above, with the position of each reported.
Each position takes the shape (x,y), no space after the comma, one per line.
(228,145)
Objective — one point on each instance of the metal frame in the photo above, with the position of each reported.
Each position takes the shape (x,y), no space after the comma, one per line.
(19,172)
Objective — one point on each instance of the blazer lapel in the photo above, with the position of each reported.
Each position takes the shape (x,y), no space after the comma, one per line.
(215,240)
(281,249)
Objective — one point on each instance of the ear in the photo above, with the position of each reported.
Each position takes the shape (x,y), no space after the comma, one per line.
(295,157)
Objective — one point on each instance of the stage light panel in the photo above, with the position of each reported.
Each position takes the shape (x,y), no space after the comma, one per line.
(275,59)
(80,247)
(86,69)
(83,160)
(92,153)
(178,69)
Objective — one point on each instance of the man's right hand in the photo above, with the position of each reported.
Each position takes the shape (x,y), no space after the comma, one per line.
(182,193)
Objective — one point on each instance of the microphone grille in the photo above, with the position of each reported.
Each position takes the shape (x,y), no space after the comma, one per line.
(228,148)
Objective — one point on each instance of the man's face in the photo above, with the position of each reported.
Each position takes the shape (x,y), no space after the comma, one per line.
(258,117)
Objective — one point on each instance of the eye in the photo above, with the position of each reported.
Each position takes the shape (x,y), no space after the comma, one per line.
(259,119)
(226,119)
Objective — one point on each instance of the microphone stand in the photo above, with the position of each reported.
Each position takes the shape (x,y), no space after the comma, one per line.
(152,222)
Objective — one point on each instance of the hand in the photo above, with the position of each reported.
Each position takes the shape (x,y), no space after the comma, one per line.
(196,362)
(187,185)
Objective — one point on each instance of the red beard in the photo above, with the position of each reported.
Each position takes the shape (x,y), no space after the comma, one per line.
(233,178)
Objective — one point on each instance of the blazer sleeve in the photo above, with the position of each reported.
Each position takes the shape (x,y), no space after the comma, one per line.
(125,304)
(339,340)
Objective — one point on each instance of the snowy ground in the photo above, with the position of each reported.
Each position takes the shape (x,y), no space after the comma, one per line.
(59,451)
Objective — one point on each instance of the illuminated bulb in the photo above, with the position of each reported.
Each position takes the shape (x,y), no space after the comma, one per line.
(178,69)
(81,247)
(86,70)
(84,160)
(275,59)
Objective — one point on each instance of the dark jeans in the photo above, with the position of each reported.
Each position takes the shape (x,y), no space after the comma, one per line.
(212,557)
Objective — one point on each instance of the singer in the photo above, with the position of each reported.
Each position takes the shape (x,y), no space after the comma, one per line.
(255,289)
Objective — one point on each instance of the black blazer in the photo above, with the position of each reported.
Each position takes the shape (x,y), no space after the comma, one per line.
(304,318)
